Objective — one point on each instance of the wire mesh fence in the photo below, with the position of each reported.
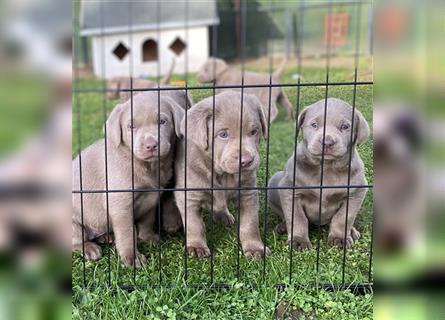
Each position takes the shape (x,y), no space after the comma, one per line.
(168,262)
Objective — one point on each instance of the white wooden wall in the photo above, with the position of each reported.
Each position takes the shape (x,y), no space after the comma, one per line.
(197,50)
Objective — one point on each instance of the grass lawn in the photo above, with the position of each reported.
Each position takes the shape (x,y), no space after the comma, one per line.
(101,300)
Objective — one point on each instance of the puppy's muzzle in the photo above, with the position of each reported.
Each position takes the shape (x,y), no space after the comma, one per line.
(151,145)
(329,141)
(246,161)
(150,149)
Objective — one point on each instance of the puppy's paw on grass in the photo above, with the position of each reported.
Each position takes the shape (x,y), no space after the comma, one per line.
(256,251)
(281,228)
(224,217)
(130,260)
(172,225)
(300,243)
(107,238)
(355,234)
(92,251)
(339,241)
(198,250)
(148,237)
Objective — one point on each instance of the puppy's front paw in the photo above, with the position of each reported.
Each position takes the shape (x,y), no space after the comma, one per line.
(107,238)
(130,260)
(148,237)
(256,250)
(300,243)
(355,234)
(281,228)
(339,241)
(224,217)
(198,250)
(172,224)
(92,251)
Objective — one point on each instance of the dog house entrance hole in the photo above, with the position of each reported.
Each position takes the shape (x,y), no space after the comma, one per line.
(150,50)
(177,46)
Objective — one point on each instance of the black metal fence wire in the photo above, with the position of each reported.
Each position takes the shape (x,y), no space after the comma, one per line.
(241,13)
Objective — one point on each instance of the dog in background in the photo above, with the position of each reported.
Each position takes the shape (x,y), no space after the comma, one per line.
(216,70)
(116,84)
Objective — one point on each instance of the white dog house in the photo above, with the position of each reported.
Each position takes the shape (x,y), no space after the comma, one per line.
(158,34)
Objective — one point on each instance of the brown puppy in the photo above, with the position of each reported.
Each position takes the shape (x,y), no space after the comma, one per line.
(226,145)
(217,70)
(308,159)
(147,144)
(116,84)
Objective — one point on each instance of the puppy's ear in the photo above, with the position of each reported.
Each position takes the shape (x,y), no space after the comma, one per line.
(114,125)
(177,113)
(301,117)
(256,103)
(189,101)
(361,128)
(197,120)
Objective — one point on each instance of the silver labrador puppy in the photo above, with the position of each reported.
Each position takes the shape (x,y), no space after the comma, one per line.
(147,144)
(308,169)
(226,146)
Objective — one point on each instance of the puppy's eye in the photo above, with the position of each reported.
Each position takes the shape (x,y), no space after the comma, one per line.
(344,127)
(314,125)
(162,121)
(254,132)
(223,134)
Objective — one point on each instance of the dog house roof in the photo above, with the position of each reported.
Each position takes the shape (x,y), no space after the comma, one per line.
(107,17)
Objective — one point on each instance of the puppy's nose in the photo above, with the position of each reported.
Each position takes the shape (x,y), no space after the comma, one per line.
(151,144)
(246,160)
(328,141)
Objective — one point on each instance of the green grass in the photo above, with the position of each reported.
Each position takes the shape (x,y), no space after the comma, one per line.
(100,301)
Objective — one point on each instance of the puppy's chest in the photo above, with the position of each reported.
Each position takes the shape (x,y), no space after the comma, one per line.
(146,200)
(331,198)
(153,177)
(227,182)
(221,198)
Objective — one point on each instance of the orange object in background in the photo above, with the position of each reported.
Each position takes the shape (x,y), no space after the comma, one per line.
(178,83)
(392,23)
(336,27)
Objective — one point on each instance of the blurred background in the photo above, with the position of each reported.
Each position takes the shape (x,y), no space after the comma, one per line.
(409,142)
(404,40)
(35,156)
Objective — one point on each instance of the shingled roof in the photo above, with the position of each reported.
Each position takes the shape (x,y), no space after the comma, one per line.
(113,16)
